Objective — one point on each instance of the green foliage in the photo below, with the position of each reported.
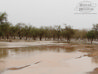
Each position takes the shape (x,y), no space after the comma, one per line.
(80,34)
(34,33)
(22,31)
(91,35)
(69,32)
(95,28)
(3,17)
(4,29)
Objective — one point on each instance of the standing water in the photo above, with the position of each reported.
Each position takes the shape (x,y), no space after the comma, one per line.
(45,60)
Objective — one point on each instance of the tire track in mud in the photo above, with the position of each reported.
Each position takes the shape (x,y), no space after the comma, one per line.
(18,68)
(22,67)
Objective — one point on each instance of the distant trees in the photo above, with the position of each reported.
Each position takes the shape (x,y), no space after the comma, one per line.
(3,26)
(91,35)
(58,31)
(53,33)
(13,32)
(95,28)
(69,32)
(22,31)
(3,17)
(41,33)
(4,30)
(48,33)
(25,32)
(34,33)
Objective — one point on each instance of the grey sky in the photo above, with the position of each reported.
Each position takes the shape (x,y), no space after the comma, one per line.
(48,13)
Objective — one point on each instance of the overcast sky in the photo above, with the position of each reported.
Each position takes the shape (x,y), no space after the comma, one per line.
(48,13)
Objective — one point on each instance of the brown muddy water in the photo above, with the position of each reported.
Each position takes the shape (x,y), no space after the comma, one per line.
(46,60)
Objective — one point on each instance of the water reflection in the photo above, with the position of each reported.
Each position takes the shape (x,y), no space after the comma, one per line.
(3,53)
(6,52)
(51,57)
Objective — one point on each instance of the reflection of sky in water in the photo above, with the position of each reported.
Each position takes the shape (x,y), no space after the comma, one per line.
(32,50)
(68,56)
(26,52)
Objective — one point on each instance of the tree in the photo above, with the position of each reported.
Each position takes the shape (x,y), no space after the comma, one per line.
(34,32)
(91,35)
(27,31)
(69,32)
(58,31)
(41,33)
(48,32)
(3,17)
(95,28)
(5,29)
(13,31)
(20,29)
(53,32)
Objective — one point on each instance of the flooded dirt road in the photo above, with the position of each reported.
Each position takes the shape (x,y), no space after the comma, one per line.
(26,44)
(46,60)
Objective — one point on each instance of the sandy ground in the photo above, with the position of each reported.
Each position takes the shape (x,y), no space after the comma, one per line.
(50,63)
(82,61)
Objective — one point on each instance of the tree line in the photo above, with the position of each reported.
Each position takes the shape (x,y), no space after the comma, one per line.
(24,32)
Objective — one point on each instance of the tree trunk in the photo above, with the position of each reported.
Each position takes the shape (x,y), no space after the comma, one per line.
(45,38)
(14,37)
(53,37)
(58,38)
(20,37)
(68,40)
(2,37)
(91,40)
(7,37)
(34,38)
(40,38)
(26,37)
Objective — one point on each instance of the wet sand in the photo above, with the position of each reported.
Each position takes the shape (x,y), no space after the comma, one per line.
(49,59)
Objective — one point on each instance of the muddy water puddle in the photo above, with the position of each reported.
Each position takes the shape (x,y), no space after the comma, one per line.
(46,60)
